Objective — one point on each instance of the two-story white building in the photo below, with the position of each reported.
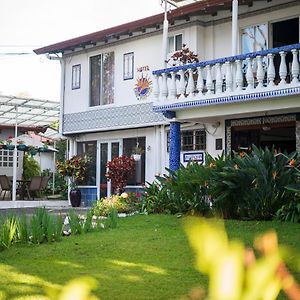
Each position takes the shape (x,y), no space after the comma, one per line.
(117,94)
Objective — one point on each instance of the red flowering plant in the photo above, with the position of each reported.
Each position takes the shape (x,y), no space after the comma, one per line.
(182,57)
(119,170)
(74,168)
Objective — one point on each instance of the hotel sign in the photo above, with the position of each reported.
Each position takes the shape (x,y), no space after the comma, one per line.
(195,156)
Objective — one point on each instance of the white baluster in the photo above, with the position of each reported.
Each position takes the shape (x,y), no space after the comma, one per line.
(228,77)
(249,74)
(181,88)
(190,89)
(295,67)
(164,88)
(239,75)
(260,72)
(172,87)
(155,88)
(200,83)
(219,81)
(209,82)
(271,70)
(282,68)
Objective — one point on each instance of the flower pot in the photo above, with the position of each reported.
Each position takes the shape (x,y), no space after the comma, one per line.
(9,147)
(33,152)
(21,147)
(75,197)
(136,157)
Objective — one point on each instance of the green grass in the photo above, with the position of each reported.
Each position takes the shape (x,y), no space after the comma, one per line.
(145,257)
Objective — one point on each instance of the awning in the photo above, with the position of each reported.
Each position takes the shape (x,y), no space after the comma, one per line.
(31,112)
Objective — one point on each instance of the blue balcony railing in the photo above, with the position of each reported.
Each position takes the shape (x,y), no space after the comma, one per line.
(261,71)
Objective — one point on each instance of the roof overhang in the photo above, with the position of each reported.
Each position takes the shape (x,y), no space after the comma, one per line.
(202,7)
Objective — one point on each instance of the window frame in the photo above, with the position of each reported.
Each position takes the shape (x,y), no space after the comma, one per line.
(76,76)
(128,57)
(174,36)
(100,100)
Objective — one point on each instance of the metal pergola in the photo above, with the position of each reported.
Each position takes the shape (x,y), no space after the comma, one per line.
(18,111)
(30,111)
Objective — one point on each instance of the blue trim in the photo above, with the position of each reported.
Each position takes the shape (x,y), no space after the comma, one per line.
(229,58)
(228,99)
(174,160)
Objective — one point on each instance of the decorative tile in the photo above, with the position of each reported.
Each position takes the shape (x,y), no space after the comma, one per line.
(111,117)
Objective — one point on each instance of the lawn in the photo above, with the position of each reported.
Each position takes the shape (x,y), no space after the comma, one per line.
(145,257)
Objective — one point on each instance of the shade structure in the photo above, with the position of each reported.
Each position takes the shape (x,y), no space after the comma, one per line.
(26,112)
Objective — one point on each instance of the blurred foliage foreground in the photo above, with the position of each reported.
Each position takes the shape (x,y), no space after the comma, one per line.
(234,271)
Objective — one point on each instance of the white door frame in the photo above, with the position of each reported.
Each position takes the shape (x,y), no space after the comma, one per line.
(98,166)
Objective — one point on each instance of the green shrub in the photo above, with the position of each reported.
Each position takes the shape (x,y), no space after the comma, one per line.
(23,235)
(30,167)
(76,224)
(112,218)
(102,207)
(9,231)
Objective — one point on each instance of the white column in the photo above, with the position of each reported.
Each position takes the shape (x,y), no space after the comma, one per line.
(295,66)
(228,77)
(190,89)
(209,83)
(15,157)
(155,88)
(181,88)
(271,70)
(165,36)
(172,87)
(219,81)
(164,88)
(249,74)
(234,28)
(239,75)
(260,72)
(282,68)
(200,84)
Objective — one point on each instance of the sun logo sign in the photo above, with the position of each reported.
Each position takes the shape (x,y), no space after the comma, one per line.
(143,86)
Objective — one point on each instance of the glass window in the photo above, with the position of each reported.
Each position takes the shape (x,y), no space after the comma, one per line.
(191,140)
(128,65)
(76,77)
(174,43)
(6,158)
(138,177)
(255,38)
(89,149)
(102,79)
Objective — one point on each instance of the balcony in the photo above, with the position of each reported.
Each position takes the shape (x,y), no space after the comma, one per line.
(248,77)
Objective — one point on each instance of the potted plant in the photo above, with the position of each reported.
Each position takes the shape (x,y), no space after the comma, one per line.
(75,169)
(119,170)
(32,150)
(21,146)
(8,144)
(137,153)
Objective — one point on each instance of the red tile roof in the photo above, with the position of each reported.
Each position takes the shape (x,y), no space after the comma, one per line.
(197,8)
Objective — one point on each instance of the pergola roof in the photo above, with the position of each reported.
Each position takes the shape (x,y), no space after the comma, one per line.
(31,112)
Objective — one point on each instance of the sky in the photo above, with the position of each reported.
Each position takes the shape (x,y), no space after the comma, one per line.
(29,24)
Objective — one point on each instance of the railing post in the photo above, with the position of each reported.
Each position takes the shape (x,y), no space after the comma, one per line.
(172,87)
(295,67)
(228,77)
(181,88)
(282,68)
(200,84)
(190,89)
(155,88)
(164,88)
(219,81)
(271,70)
(249,74)
(260,72)
(239,75)
(209,83)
